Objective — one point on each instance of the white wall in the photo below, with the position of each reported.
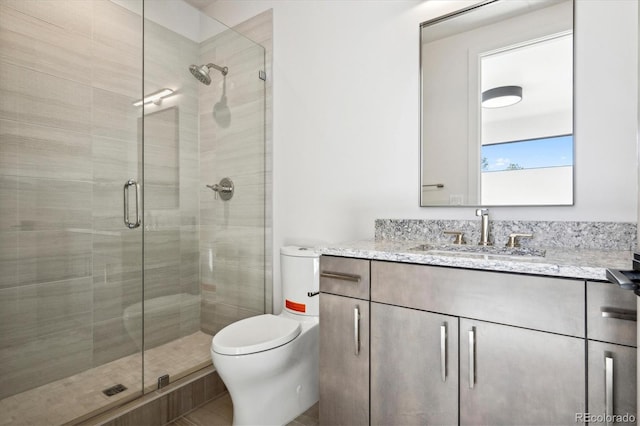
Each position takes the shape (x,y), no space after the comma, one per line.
(346,101)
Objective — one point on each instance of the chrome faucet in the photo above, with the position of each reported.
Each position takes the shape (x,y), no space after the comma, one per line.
(484,229)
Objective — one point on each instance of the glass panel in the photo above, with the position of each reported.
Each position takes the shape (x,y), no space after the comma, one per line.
(70,270)
(204,256)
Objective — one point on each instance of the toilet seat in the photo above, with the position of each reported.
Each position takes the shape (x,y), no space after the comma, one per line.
(255,334)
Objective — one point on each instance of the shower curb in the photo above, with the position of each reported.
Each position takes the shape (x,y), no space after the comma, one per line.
(163,405)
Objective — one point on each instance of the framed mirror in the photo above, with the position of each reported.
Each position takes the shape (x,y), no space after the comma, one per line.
(497,105)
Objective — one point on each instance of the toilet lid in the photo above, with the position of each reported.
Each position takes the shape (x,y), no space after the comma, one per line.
(255,334)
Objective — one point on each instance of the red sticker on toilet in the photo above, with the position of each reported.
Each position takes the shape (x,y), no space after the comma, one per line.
(299,307)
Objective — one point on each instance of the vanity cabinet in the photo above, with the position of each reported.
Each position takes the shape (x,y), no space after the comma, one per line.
(521,346)
(344,341)
(510,375)
(456,346)
(414,367)
(611,348)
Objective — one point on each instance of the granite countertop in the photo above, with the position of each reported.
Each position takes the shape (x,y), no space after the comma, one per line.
(584,264)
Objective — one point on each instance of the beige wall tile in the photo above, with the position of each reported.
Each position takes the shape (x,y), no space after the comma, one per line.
(54,204)
(9,143)
(162,281)
(45,256)
(114,115)
(36,311)
(8,203)
(43,360)
(113,24)
(117,255)
(111,340)
(113,292)
(11,82)
(18,317)
(55,50)
(161,325)
(53,153)
(117,49)
(8,258)
(52,101)
(115,160)
(71,15)
(117,68)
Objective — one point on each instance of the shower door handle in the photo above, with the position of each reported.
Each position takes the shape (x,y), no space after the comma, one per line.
(125,190)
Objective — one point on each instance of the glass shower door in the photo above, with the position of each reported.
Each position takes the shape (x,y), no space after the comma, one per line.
(70,268)
(204,264)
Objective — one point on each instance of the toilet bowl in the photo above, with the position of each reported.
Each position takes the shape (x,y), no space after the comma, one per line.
(269,363)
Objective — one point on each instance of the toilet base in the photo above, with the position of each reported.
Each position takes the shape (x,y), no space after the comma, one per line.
(275,386)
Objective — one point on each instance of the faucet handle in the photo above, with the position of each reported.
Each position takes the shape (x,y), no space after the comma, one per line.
(459,239)
(513,239)
(482,212)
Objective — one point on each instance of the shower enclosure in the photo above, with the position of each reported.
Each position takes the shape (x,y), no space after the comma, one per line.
(118,261)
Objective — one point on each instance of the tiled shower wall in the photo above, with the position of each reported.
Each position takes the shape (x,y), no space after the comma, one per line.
(69,139)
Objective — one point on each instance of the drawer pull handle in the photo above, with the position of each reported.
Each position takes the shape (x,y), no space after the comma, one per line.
(356,329)
(608,379)
(443,351)
(340,276)
(623,314)
(472,357)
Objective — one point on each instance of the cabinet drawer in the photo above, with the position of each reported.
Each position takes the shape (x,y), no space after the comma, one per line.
(541,303)
(611,314)
(344,276)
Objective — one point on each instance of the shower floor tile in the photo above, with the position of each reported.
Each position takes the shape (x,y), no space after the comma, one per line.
(67,399)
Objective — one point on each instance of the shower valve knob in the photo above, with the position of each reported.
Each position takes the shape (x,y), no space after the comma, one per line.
(225,188)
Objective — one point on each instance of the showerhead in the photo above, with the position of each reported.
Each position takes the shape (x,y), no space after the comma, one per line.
(202,72)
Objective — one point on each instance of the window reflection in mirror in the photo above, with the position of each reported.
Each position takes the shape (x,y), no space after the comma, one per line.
(518,154)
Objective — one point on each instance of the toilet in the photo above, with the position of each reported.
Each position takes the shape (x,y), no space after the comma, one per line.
(269,363)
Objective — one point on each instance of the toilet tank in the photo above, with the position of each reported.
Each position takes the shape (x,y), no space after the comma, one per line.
(300,272)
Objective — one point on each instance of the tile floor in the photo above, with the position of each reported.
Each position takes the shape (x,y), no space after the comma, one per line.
(67,399)
(219,412)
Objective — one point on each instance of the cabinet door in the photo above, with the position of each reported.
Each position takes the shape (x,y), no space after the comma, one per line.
(344,360)
(511,375)
(612,381)
(414,367)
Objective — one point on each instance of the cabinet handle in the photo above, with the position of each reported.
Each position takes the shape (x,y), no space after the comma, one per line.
(341,276)
(472,357)
(356,329)
(443,351)
(616,313)
(608,389)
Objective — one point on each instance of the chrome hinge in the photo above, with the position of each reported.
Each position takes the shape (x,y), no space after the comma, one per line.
(163,381)
(262,75)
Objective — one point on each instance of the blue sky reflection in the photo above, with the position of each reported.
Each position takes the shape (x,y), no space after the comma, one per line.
(529,154)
